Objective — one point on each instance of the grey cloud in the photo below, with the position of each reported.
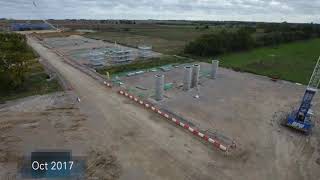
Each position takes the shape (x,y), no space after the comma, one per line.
(249,10)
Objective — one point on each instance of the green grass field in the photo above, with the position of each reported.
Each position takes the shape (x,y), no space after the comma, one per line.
(292,62)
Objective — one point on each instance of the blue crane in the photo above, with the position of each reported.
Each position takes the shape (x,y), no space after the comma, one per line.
(301,119)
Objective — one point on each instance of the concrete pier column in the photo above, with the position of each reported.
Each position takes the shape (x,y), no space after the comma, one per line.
(214,69)
(187,78)
(159,87)
(195,75)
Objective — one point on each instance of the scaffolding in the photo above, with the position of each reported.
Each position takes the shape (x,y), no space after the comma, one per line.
(118,55)
(145,51)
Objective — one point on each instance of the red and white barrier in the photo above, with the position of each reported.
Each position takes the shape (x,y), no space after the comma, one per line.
(215,142)
(107,84)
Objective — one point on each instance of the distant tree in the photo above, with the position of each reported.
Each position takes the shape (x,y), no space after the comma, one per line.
(220,42)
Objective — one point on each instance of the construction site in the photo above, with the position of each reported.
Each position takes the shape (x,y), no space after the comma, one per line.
(218,101)
(237,117)
(97,53)
(190,120)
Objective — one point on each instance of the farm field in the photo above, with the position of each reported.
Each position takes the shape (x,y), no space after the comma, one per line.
(164,39)
(292,62)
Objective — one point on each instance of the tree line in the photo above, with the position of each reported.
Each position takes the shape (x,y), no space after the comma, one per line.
(14,60)
(245,38)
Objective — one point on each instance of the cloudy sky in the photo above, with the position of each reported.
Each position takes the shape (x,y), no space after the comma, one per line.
(243,10)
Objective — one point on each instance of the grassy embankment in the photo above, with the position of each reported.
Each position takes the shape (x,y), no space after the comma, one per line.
(34,78)
(35,84)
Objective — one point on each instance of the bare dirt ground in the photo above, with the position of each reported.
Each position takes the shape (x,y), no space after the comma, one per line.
(245,108)
(124,141)
(47,122)
(146,146)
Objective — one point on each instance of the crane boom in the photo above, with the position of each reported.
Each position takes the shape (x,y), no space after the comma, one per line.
(315,78)
(45,21)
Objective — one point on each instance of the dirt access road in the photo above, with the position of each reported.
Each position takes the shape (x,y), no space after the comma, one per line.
(148,147)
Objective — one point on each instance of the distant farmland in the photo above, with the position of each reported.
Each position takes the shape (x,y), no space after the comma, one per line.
(164,38)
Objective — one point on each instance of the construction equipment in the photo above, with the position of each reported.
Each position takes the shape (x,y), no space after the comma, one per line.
(45,21)
(301,119)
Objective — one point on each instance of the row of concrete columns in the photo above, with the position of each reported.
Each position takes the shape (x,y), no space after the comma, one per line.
(191,75)
(191,78)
